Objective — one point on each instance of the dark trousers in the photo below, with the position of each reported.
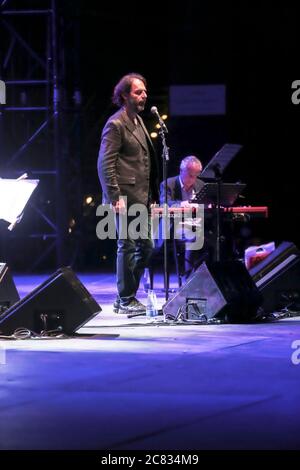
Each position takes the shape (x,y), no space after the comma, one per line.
(190,260)
(133,256)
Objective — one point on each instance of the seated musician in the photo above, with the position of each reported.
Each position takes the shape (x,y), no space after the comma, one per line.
(181,190)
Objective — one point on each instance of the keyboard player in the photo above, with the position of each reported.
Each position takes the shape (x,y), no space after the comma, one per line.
(180,190)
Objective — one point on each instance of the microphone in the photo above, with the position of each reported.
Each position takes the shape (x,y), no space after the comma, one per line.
(161,122)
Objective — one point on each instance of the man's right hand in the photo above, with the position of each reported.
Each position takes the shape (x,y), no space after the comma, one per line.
(120,206)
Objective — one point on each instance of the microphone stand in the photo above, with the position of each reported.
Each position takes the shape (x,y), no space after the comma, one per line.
(165,156)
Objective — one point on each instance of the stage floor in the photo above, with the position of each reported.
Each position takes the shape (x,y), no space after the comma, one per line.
(138,384)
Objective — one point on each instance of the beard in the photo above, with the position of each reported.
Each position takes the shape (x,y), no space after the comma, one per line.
(140,107)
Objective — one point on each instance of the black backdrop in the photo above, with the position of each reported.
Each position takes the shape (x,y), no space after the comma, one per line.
(252,49)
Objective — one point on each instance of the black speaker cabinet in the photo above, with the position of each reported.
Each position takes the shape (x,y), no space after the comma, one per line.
(222,290)
(60,303)
(8,291)
(278,278)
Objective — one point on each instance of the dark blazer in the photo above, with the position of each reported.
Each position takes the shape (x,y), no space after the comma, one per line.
(174,192)
(121,162)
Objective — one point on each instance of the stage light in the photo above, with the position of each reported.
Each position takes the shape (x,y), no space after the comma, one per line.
(157,126)
(164,117)
(153,135)
(88,200)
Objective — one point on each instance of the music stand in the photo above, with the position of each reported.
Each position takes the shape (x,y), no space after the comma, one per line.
(208,194)
(219,162)
(214,171)
(14,195)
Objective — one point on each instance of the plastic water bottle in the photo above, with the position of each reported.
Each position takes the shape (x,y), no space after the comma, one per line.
(146,280)
(151,307)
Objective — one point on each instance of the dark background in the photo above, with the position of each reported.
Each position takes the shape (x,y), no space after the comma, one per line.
(252,49)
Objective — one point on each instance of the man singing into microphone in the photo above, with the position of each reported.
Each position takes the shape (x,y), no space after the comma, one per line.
(128,173)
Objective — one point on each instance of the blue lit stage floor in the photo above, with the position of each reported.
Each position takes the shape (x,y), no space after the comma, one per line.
(132,384)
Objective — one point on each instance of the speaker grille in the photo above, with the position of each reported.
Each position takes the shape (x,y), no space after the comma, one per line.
(59,302)
(278,278)
(223,289)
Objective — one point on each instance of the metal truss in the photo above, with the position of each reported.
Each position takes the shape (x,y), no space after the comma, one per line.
(39,130)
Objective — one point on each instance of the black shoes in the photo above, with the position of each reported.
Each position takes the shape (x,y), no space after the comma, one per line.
(116,306)
(134,306)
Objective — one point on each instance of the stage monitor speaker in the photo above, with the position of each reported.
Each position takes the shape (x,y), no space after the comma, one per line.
(60,303)
(223,290)
(8,291)
(278,278)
